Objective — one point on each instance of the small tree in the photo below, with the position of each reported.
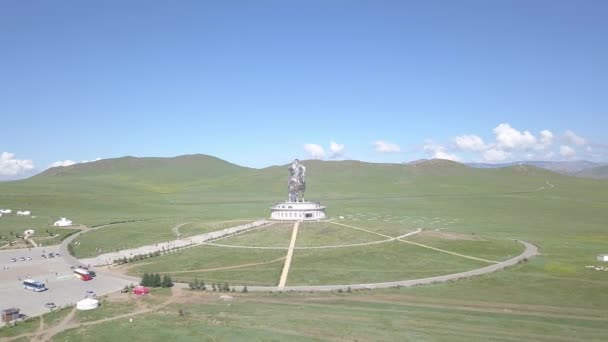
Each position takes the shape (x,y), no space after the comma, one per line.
(226,288)
(156,281)
(245,289)
(145,280)
(214,287)
(203,287)
(167,282)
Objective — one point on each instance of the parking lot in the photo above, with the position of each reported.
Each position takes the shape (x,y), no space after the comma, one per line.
(63,288)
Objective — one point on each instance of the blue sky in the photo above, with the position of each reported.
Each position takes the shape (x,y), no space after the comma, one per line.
(261,82)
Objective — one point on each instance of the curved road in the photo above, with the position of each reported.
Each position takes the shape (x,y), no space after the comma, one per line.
(529,252)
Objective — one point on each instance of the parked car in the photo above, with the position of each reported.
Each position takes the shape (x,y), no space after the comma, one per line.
(50,305)
(29,258)
(90,294)
(13,259)
(51,255)
(57,254)
(43,256)
(22,259)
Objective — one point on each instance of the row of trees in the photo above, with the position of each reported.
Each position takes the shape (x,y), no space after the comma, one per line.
(154,280)
(197,285)
(125,260)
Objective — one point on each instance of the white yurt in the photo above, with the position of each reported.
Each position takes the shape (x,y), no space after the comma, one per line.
(63,222)
(87,304)
(5,211)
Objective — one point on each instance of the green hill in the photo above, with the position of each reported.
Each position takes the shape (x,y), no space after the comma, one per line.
(599,172)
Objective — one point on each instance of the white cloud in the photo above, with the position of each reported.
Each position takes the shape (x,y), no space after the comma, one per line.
(336,149)
(439,152)
(89,161)
(470,142)
(574,139)
(508,137)
(386,147)
(546,139)
(62,163)
(495,155)
(315,151)
(9,166)
(567,151)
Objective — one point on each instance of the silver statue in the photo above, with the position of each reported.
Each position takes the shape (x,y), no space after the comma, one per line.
(297,180)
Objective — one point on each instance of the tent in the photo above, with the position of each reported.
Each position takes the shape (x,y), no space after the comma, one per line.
(141,290)
(87,304)
(63,223)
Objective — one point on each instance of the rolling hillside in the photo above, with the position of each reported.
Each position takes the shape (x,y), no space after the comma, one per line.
(200,185)
(600,172)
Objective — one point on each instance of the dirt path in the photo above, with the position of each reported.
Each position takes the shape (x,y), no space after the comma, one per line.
(225,267)
(176,228)
(48,333)
(45,335)
(292,244)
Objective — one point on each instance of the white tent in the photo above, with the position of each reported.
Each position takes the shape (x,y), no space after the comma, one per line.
(87,304)
(5,211)
(23,213)
(63,223)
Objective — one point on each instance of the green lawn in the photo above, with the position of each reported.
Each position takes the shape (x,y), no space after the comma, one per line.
(123,236)
(389,261)
(275,235)
(314,234)
(238,266)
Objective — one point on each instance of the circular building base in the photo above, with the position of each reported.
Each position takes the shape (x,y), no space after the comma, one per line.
(297,211)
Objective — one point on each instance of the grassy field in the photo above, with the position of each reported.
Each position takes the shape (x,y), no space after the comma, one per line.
(276,235)
(131,234)
(552,297)
(328,234)
(218,264)
(374,263)
(386,316)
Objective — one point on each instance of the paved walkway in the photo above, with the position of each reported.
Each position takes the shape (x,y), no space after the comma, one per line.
(292,244)
(108,258)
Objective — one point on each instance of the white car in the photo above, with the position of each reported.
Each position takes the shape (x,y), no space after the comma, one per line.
(29,258)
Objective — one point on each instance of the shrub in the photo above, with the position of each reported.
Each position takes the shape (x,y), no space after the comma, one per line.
(245,289)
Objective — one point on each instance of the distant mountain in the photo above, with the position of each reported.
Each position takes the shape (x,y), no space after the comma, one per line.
(563,167)
(598,172)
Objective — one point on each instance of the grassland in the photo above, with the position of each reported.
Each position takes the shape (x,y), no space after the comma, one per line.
(385,316)
(551,297)
(327,234)
(218,264)
(276,235)
(372,264)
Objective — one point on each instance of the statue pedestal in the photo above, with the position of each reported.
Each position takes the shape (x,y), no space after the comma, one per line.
(297,211)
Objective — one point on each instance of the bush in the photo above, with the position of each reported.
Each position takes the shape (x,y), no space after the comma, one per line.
(245,289)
